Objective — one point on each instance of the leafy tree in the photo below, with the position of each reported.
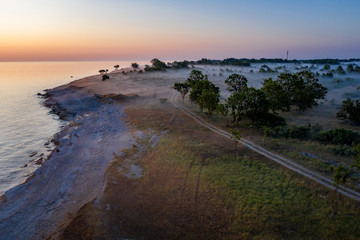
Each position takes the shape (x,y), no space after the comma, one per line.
(328,75)
(104,77)
(350,68)
(266,69)
(257,104)
(135,66)
(194,77)
(237,104)
(279,99)
(350,110)
(209,99)
(236,136)
(179,65)
(117,67)
(182,88)
(326,67)
(197,91)
(341,174)
(357,155)
(302,88)
(340,70)
(102,71)
(236,83)
(223,109)
(156,65)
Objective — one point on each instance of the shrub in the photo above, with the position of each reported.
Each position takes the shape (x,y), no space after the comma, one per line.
(104,77)
(343,150)
(350,110)
(299,132)
(339,136)
(270,120)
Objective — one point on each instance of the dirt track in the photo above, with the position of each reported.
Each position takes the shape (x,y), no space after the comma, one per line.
(274,157)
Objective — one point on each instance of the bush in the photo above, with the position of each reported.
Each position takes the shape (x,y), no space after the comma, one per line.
(343,150)
(275,132)
(339,136)
(350,110)
(104,77)
(299,132)
(328,75)
(270,120)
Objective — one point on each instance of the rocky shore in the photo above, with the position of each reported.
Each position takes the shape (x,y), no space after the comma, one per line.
(74,173)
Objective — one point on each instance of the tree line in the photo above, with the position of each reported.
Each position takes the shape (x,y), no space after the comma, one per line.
(299,91)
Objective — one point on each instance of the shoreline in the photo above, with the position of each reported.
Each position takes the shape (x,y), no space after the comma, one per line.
(74,172)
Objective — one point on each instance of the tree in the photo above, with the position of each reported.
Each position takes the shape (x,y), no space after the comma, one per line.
(209,99)
(257,104)
(223,109)
(341,174)
(105,77)
(326,67)
(237,104)
(236,136)
(350,110)
(102,71)
(357,155)
(182,88)
(135,66)
(197,90)
(117,67)
(302,88)
(236,83)
(350,68)
(194,77)
(158,65)
(279,99)
(340,70)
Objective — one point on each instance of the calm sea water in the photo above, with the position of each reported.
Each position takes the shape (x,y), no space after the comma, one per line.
(25,125)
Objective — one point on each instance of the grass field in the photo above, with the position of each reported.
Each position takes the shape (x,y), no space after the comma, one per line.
(193,186)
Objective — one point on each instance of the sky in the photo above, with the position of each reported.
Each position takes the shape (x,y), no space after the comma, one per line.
(49,30)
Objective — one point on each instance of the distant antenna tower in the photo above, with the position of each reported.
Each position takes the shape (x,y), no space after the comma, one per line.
(287,55)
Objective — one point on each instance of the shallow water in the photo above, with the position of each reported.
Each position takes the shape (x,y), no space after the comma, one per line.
(25,125)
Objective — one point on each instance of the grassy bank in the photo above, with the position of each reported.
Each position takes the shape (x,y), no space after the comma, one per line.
(193,186)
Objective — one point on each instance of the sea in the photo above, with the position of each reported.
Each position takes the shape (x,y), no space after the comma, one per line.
(26,126)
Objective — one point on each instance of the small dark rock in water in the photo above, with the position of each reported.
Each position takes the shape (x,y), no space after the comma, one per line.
(44,95)
(67,116)
(57,150)
(3,198)
(39,161)
(32,154)
(25,166)
(46,144)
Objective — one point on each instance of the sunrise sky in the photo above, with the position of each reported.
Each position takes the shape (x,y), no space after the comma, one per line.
(42,30)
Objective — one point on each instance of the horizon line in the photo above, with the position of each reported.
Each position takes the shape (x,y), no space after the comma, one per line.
(142,60)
